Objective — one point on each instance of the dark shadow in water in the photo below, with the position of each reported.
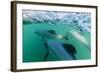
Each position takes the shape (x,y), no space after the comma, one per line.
(71,49)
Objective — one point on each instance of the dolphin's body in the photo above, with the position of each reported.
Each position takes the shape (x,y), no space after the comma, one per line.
(58,50)
(50,34)
(62,51)
(80,38)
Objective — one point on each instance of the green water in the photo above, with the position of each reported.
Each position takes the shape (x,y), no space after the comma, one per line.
(34,50)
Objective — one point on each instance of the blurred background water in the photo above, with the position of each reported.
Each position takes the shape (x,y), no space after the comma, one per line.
(62,23)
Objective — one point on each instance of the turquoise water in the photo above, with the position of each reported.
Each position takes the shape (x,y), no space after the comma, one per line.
(34,51)
(68,24)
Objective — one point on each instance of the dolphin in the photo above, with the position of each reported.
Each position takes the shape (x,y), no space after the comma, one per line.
(62,51)
(80,38)
(50,34)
